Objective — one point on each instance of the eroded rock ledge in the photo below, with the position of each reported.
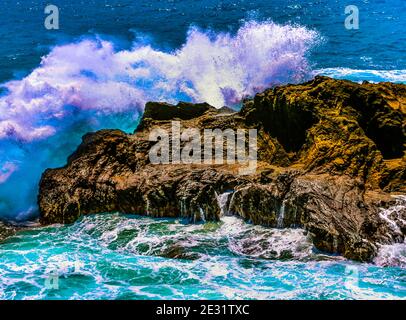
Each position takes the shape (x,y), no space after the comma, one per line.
(6,230)
(330,155)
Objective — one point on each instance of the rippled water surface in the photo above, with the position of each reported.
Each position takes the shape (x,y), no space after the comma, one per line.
(114,256)
(97,71)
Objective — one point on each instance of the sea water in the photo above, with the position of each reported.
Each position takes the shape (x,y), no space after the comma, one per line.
(109,57)
(97,71)
(114,256)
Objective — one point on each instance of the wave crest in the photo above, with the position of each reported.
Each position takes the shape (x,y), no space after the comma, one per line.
(88,85)
(220,69)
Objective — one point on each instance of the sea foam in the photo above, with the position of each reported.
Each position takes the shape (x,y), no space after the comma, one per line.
(356,75)
(219,69)
(89,85)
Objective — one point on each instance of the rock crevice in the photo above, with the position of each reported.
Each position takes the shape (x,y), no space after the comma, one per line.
(330,155)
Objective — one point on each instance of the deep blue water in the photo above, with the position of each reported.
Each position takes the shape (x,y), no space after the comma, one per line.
(378,44)
(97,71)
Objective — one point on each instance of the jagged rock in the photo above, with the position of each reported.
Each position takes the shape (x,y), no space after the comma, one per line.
(329,152)
(6,230)
(337,126)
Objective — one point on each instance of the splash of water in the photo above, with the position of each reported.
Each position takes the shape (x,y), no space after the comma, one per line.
(393,254)
(223,202)
(170,237)
(114,256)
(393,215)
(281,215)
(219,69)
(88,85)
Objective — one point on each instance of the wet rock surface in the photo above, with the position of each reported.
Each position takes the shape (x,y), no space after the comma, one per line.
(6,230)
(330,154)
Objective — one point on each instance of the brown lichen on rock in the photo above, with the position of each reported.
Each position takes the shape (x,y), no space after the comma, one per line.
(337,126)
(329,153)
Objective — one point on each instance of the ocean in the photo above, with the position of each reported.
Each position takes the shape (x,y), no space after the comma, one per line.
(97,71)
(113,256)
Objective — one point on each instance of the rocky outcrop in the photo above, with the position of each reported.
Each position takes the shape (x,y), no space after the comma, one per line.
(338,127)
(330,152)
(6,230)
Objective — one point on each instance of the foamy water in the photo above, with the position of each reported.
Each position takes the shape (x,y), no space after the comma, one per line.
(393,254)
(219,69)
(357,75)
(114,256)
(93,83)
(89,85)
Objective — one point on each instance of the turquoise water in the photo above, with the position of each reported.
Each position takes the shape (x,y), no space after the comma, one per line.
(115,256)
(110,57)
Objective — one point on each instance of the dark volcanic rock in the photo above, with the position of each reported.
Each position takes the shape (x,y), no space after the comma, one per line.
(329,151)
(6,231)
(338,127)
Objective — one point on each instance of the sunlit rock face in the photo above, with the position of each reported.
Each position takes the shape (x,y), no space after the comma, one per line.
(330,153)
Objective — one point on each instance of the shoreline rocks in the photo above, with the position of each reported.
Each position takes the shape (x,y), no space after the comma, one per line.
(6,231)
(330,153)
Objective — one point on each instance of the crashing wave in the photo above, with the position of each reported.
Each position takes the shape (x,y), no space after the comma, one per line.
(219,69)
(393,254)
(88,85)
